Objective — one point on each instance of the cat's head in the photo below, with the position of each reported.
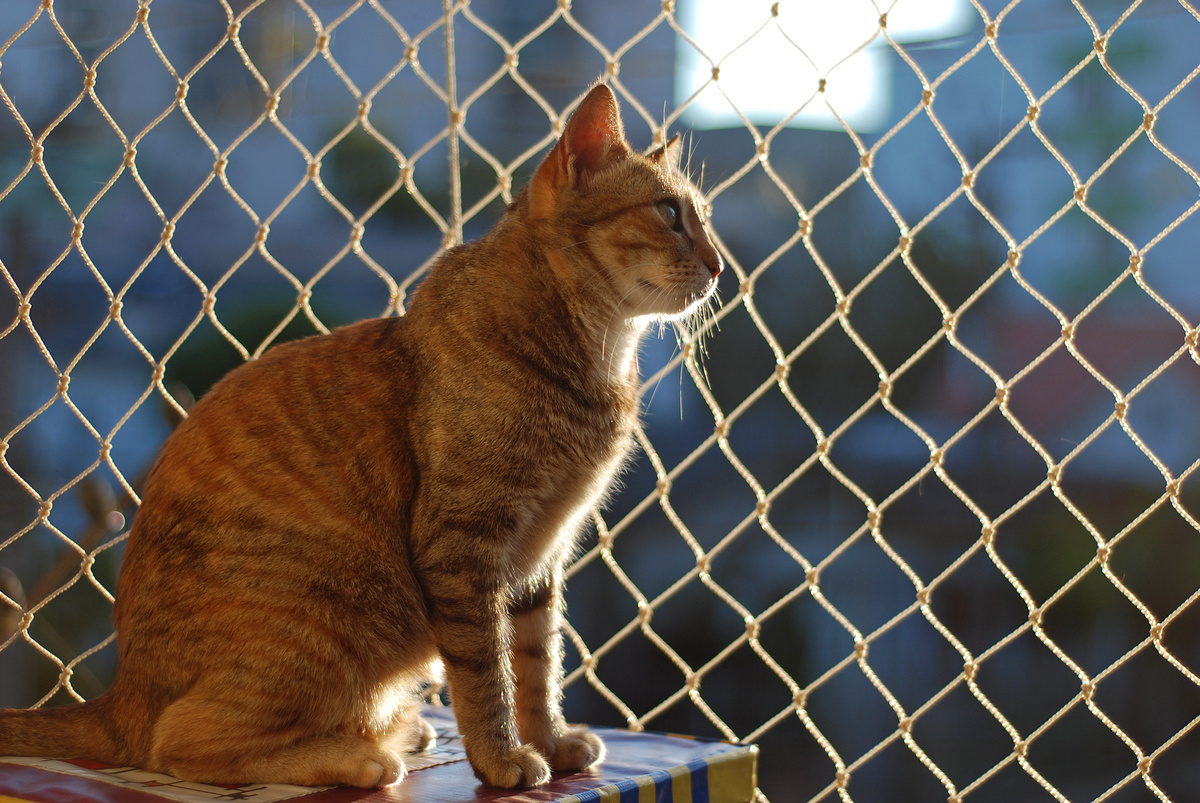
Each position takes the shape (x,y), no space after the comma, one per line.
(637,223)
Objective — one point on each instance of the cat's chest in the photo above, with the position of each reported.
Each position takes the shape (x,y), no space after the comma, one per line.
(575,471)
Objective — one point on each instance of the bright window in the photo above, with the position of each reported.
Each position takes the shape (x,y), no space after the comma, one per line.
(769,71)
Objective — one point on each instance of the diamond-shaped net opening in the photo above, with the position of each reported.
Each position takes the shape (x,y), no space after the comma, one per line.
(914,509)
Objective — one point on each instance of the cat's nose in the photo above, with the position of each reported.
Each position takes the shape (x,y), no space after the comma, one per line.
(715,265)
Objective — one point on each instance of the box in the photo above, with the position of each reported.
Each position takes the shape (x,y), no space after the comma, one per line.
(639,768)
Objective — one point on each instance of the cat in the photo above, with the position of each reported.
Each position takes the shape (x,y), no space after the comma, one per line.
(339,515)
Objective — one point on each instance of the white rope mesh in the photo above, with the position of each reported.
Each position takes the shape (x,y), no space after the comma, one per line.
(938,540)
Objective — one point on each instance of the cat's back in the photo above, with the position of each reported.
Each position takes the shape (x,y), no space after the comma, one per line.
(304,444)
(300,410)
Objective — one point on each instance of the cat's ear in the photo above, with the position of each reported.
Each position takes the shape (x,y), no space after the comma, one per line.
(593,139)
(669,153)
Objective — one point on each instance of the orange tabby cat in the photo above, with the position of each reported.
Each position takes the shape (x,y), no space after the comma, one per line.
(337,515)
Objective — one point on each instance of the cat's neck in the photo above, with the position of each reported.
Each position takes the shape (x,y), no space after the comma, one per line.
(618,350)
(537,307)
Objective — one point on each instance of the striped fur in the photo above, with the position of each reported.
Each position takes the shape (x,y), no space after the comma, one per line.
(338,515)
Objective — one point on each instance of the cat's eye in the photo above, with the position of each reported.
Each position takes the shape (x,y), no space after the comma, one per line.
(669,212)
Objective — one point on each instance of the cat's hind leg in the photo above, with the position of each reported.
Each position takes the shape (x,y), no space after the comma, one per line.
(207,740)
(410,732)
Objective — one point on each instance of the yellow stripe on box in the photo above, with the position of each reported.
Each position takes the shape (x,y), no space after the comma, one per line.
(646,793)
(732,777)
(681,784)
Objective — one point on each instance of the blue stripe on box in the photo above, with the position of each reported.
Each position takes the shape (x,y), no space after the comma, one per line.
(699,770)
(663,787)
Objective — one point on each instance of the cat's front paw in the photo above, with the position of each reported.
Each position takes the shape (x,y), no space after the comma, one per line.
(522,766)
(576,748)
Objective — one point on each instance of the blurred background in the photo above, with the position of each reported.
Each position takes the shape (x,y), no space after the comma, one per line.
(914,508)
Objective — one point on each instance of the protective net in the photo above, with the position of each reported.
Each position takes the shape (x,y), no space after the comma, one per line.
(913,510)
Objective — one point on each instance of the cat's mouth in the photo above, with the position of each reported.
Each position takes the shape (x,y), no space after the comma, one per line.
(676,297)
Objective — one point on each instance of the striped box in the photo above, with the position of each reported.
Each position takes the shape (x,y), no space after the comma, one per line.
(639,768)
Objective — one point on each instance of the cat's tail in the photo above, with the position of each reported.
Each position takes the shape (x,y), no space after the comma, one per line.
(81,730)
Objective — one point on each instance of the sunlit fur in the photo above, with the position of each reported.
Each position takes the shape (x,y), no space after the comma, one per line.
(339,514)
